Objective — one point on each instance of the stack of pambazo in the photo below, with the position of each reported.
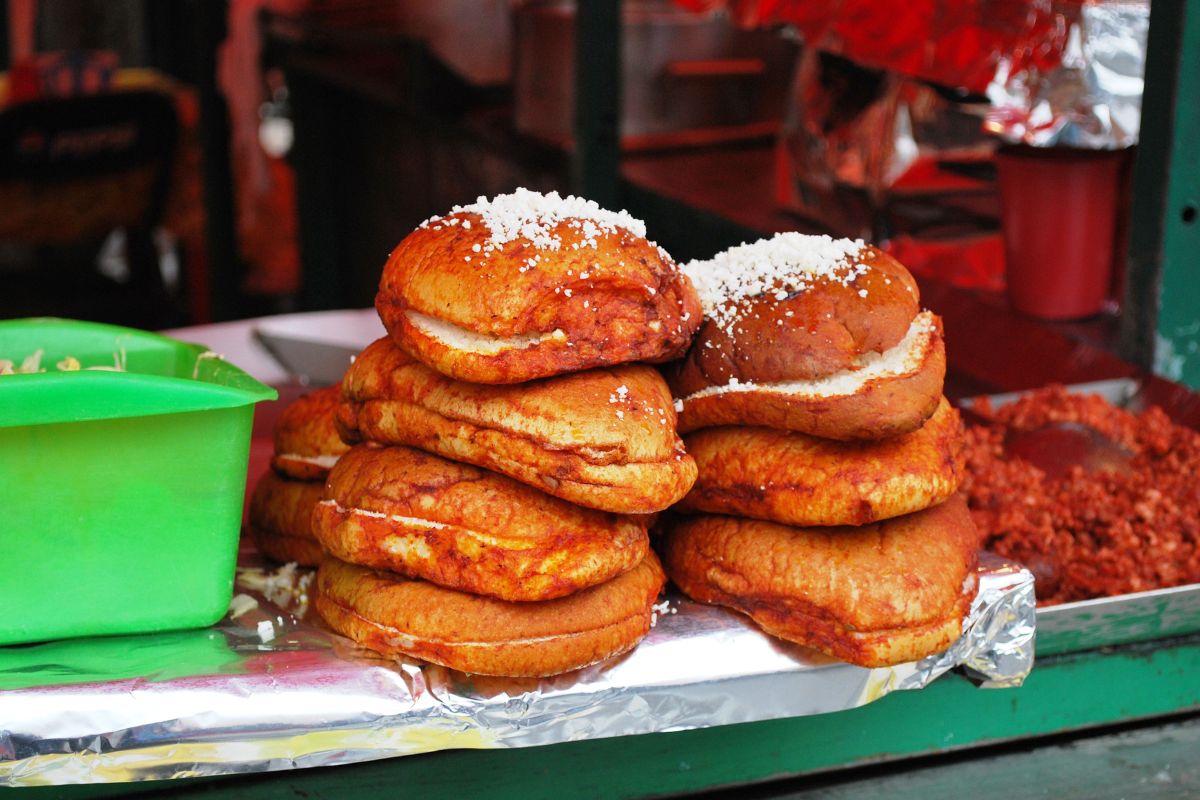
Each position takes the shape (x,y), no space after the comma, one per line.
(492,516)
(512,447)
(829,461)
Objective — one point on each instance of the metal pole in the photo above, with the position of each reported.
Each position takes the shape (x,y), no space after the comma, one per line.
(224,268)
(5,58)
(1160,323)
(596,162)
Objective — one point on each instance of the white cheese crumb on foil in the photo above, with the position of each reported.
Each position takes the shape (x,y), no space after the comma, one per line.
(266,630)
(660,609)
(240,604)
(286,587)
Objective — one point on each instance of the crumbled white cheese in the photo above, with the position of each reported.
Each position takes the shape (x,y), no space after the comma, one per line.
(533,216)
(240,604)
(285,587)
(660,609)
(784,264)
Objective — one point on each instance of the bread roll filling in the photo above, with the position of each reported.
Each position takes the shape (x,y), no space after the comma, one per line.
(413,522)
(326,461)
(460,338)
(903,359)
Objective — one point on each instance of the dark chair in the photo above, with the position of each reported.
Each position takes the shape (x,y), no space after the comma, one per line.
(72,171)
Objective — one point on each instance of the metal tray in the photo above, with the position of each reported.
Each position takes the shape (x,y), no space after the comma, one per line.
(317,347)
(1125,618)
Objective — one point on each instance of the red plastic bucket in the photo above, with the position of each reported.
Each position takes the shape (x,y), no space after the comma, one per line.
(1059,213)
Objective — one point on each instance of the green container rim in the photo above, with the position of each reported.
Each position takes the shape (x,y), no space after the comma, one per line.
(53,397)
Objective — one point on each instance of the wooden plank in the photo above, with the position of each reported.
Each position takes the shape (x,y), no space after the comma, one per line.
(1157,762)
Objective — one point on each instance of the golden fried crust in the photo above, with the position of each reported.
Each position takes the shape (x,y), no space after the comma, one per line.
(795,479)
(280,519)
(410,512)
(601,439)
(873,595)
(809,334)
(883,407)
(397,616)
(305,430)
(623,300)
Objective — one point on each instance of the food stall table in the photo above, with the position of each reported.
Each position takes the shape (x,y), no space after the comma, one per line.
(1073,692)
(951,725)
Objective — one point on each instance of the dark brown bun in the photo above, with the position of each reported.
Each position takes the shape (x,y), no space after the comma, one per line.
(811,334)
(306,439)
(397,616)
(796,479)
(280,519)
(808,333)
(526,286)
(602,439)
(864,404)
(410,512)
(875,595)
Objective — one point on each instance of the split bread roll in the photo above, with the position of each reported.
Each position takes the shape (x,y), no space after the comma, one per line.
(796,479)
(873,595)
(810,334)
(307,443)
(397,616)
(527,285)
(413,513)
(602,439)
(280,519)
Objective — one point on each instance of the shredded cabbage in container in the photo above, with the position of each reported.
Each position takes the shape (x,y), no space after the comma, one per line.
(32,364)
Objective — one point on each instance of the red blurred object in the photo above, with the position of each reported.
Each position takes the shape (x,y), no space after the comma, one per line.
(23,84)
(951,42)
(61,74)
(974,262)
(1059,212)
(74,73)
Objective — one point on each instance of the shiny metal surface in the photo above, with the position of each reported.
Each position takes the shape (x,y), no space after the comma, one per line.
(1092,98)
(269,689)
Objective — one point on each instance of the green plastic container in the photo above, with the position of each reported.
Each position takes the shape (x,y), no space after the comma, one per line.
(120,492)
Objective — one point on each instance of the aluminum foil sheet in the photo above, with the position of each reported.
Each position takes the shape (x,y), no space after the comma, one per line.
(1057,72)
(1091,97)
(268,689)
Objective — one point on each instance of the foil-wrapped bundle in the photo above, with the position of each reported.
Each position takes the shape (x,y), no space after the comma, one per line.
(268,688)
(855,139)
(907,100)
(1090,95)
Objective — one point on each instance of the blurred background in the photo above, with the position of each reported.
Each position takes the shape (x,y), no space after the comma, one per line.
(176,162)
